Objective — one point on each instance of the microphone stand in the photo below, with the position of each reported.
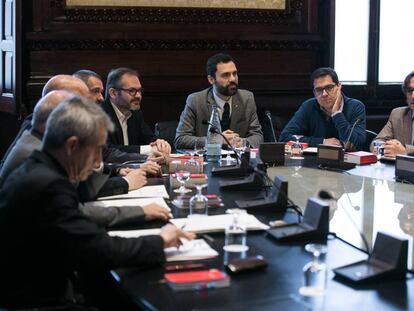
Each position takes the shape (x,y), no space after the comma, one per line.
(269,116)
(240,169)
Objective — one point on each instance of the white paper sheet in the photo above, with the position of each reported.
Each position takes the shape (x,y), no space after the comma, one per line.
(129,202)
(190,250)
(157,191)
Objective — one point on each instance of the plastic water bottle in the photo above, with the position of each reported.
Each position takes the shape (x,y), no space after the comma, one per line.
(214,140)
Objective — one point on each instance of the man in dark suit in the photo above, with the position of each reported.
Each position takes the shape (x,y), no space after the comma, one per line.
(237,107)
(122,104)
(398,132)
(43,235)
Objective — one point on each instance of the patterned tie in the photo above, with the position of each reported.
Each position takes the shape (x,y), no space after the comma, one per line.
(225,118)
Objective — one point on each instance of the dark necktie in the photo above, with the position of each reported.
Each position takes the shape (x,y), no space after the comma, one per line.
(225,118)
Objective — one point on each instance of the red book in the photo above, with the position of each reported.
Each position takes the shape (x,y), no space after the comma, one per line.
(198,280)
(360,157)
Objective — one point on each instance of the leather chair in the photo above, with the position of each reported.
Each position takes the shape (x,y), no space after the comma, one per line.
(166,130)
(369,137)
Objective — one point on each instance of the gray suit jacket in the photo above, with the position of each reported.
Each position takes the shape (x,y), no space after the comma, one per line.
(244,119)
(104,216)
(399,126)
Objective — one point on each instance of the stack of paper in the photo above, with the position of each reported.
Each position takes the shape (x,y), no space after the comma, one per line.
(200,224)
(129,202)
(217,223)
(158,191)
(190,250)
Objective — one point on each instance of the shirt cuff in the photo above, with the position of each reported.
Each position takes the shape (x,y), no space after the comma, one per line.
(335,113)
(146,149)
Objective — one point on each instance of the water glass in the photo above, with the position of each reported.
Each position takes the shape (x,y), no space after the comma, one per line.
(182,177)
(200,146)
(315,272)
(199,203)
(296,148)
(379,148)
(236,233)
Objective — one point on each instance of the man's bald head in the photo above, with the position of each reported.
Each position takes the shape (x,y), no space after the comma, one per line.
(67,83)
(45,106)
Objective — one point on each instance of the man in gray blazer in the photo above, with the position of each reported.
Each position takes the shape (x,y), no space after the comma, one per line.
(237,107)
(398,132)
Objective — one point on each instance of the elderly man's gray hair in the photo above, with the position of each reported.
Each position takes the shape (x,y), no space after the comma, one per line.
(78,117)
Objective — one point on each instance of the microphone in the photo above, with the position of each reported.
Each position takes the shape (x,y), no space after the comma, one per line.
(214,129)
(327,195)
(269,116)
(350,133)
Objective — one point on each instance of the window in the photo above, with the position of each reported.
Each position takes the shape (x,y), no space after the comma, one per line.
(351,40)
(396,45)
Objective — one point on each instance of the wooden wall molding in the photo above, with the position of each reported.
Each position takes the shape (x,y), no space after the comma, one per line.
(292,15)
(90,44)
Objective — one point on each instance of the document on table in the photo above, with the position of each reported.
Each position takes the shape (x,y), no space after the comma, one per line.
(190,250)
(217,223)
(129,202)
(134,233)
(200,224)
(157,191)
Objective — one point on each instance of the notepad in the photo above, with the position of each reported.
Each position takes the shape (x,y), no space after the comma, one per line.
(129,202)
(217,223)
(157,191)
(190,250)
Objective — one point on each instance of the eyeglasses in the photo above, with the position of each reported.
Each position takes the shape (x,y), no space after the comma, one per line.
(409,91)
(328,88)
(132,91)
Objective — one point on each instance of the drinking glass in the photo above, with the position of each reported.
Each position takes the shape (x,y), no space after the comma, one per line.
(379,148)
(200,146)
(228,158)
(296,148)
(236,233)
(240,146)
(315,272)
(199,203)
(182,177)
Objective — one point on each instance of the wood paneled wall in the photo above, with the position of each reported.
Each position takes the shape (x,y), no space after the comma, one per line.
(275,50)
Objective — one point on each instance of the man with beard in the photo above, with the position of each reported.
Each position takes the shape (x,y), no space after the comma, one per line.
(237,107)
(329,117)
(398,132)
(122,104)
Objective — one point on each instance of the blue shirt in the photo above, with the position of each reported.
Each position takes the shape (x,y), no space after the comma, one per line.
(311,122)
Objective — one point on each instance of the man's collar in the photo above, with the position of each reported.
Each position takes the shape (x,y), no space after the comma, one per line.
(119,114)
(219,101)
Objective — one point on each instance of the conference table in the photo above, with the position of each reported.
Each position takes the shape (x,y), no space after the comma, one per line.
(368,201)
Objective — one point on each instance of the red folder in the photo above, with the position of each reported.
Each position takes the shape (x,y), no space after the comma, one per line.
(198,280)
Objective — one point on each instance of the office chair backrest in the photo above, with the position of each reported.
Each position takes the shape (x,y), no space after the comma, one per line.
(369,137)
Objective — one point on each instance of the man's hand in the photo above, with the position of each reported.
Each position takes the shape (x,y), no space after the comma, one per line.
(338,101)
(393,147)
(157,157)
(229,134)
(332,141)
(162,146)
(171,235)
(136,179)
(154,211)
(125,170)
(151,168)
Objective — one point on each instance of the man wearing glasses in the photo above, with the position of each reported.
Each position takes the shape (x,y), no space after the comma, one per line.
(330,117)
(398,132)
(122,104)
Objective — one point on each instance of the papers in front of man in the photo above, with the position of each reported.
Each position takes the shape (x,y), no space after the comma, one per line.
(201,224)
(157,191)
(129,202)
(190,250)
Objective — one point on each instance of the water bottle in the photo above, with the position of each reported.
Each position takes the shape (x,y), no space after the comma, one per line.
(214,140)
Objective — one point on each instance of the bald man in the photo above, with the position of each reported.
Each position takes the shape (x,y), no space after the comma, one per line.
(58,82)
(67,83)
(105,216)
(31,138)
